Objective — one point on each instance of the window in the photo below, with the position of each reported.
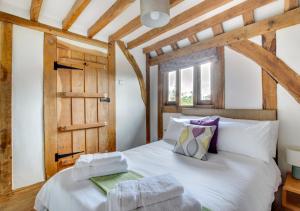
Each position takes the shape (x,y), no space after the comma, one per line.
(172,86)
(186,86)
(205,82)
(197,85)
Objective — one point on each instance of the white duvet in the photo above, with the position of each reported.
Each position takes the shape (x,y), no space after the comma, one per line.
(226,182)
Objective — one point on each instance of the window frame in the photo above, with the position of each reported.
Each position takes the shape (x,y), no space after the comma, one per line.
(217,85)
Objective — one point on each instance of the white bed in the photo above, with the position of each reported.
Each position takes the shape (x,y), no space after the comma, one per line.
(226,182)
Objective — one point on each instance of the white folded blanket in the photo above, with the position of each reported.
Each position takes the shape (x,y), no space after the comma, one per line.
(86,172)
(98,159)
(130,195)
(184,202)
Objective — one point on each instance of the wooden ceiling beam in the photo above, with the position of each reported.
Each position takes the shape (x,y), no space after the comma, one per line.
(134,24)
(159,52)
(35,9)
(218,29)
(248,17)
(136,69)
(114,11)
(50,29)
(174,46)
(290,4)
(184,17)
(281,72)
(193,39)
(74,13)
(275,23)
(240,9)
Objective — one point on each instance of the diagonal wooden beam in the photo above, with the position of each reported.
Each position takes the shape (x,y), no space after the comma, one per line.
(281,72)
(74,13)
(5,17)
(246,32)
(114,11)
(35,9)
(188,15)
(224,16)
(136,69)
(134,24)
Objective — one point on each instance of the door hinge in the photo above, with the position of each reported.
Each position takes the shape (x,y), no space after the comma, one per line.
(59,156)
(61,66)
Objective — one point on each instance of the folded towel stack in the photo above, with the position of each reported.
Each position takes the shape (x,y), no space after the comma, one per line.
(151,193)
(99,164)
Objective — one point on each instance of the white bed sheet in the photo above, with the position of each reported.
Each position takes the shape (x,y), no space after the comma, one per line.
(226,182)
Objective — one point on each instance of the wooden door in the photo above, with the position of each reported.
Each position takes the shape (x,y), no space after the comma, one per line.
(82,105)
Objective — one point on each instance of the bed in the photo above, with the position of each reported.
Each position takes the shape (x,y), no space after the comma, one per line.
(227,181)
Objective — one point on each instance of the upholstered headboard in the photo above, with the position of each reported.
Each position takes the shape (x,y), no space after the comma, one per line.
(252,114)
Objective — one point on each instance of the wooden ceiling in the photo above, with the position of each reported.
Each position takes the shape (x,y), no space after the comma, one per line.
(215,23)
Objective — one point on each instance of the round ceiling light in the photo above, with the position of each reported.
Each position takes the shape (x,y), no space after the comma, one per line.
(155,13)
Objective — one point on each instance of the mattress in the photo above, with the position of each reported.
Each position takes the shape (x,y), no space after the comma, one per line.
(226,182)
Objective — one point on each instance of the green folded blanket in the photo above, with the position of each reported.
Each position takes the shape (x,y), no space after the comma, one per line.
(106,183)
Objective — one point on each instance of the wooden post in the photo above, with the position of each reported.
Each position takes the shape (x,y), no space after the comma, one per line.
(148,125)
(160,104)
(269,85)
(50,107)
(111,93)
(5,108)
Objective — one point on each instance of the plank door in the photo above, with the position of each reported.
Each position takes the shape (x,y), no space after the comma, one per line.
(82,105)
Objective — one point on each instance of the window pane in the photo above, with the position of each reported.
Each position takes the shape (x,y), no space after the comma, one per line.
(187,84)
(172,86)
(206,81)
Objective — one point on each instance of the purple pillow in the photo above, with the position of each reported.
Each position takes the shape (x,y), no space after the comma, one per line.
(210,122)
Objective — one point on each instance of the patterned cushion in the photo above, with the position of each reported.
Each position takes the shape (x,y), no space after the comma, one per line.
(194,141)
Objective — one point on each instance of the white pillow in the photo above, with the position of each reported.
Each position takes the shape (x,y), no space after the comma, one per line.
(253,140)
(272,129)
(174,129)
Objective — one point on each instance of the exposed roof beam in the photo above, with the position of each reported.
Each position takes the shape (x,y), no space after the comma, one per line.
(281,72)
(248,17)
(136,69)
(134,24)
(74,13)
(218,29)
(184,17)
(174,46)
(290,4)
(35,9)
(226,15)
(114,11)
(159,52)
(246,32)
(50,29)
(193,38)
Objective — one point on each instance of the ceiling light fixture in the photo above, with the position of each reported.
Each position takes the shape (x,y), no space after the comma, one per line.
(155,13)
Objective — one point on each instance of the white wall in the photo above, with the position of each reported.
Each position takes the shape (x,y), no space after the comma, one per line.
(288,48)
(28,159)
(130,109)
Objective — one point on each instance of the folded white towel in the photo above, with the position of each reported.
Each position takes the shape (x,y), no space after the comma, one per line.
(86,172)
(130,195)
(184,202)
(98,159)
